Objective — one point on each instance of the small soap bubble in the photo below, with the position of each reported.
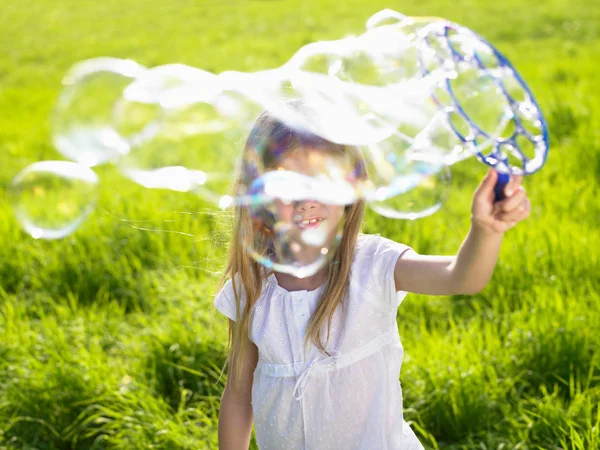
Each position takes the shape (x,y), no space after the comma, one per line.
(51,199)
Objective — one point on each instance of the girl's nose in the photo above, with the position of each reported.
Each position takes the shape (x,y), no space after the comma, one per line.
(305,205)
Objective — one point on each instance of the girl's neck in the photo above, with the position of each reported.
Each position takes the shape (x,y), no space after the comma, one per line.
(291,283)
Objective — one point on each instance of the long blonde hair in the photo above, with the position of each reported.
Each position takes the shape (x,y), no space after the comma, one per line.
(248,275)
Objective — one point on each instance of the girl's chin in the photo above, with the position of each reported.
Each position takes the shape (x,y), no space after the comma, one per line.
(316,236)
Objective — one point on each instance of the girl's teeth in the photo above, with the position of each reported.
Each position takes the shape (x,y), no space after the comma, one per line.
(310,222)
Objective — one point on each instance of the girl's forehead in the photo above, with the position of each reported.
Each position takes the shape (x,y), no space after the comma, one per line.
(311,158)
(306,154)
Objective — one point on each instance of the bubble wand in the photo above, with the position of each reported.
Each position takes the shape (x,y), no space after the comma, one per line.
(522,143)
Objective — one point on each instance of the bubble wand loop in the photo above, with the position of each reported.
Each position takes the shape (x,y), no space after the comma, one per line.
(519,145)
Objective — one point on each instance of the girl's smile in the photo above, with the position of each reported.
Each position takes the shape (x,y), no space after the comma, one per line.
(308,224)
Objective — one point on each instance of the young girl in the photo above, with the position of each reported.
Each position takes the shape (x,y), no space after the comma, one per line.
(310,386)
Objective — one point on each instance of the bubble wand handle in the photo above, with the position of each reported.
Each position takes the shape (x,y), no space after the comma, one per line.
(503,179)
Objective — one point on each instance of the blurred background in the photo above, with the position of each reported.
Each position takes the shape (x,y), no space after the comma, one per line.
(107,336)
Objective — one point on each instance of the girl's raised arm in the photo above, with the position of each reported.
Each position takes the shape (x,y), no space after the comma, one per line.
(469,271)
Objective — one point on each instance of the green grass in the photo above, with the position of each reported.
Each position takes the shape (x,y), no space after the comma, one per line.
(107,338)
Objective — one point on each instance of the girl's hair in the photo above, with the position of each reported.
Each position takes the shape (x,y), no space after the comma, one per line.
(247,275)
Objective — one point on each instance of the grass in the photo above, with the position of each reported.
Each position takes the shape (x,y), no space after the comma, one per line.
(107,337)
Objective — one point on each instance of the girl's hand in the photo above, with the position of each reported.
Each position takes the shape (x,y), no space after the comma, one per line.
(505,214)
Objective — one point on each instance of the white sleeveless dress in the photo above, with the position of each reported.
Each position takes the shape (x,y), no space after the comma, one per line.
(350,400)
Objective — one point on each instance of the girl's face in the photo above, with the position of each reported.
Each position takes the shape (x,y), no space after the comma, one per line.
(311,227)
(311,214)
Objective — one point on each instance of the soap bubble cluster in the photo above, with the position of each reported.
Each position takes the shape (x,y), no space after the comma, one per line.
(379,117)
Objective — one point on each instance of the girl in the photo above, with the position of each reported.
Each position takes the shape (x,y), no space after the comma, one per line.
(341,389)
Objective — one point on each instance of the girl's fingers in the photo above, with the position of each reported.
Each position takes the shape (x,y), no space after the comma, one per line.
(513,184)
(517,214)
(512,202)
(485,190)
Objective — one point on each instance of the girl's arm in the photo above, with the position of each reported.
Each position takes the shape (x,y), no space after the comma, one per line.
(235,413)
(469,271)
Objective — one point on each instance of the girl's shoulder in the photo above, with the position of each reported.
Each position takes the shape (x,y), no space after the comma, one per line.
(228,292)
(372,242)
(233,291)
(374,249)
(225,300)
(365,242)
(373,269)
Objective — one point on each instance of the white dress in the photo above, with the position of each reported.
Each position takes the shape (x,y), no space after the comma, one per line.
(349,400)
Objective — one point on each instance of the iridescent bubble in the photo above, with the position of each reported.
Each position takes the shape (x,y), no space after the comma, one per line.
(82,122)
(291,236)
(51,199)
(380,85)
(398,77)
(447,139)
(401,184)
(412,81)
(163,84)
(415,94)
(294,188)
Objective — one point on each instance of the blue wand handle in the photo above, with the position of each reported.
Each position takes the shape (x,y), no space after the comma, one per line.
(503,179)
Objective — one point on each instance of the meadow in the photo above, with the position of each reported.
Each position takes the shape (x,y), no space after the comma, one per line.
(108,337)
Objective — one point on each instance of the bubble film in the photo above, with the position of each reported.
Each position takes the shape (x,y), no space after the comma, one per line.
(51,199)
(81,124)
(294,237)
(385,17)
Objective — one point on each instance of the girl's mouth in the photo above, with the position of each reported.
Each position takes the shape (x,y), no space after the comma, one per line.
(307,224)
